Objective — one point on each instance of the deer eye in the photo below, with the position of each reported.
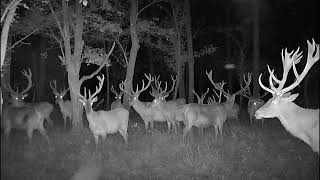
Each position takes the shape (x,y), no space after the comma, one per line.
(16,98)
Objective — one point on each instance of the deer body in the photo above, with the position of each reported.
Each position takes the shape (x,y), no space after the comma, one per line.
(202,116)
(28,117)
(66,110)
(65,105)
(102,123)
(23,118)
(300,122)
(144,111)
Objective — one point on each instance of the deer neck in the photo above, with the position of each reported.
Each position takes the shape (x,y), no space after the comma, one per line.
(139,106)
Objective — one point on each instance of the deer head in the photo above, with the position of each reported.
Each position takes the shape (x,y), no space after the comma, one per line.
(17,98)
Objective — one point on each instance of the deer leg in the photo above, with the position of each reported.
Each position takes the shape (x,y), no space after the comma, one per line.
(64,120)
(104,136)
(220,127)
(7,132)
(151,123)
(124,135)
(96,140)
(186,130)
(45,135)
(201,131)
(49,121)
(146,125)
(29,134)
(216,132)
(169,126)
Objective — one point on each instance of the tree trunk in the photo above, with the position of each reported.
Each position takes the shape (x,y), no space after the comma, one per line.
(107,98)
(6,74)
(190,51)
(133,51)
(41,89)
(5,28)
(178,49)
(182,92)
(73,78)
(256,47)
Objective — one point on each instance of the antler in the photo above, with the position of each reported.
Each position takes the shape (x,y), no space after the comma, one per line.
(53,86)
(247,81)
(200,99)
(216,85)
(28,75)
(289,60)
(247,92)
(157,90)
(98,89)
(114,91)
(150,79)
(166,94)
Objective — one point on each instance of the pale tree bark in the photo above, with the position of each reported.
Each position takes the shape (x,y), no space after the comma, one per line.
(6,19)
(133,51)
(190,51)
(72,59)
(256,47)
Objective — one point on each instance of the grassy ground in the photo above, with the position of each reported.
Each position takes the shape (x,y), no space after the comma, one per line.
(246,152)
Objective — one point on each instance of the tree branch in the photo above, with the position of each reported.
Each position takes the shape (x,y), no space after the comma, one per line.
(22,39)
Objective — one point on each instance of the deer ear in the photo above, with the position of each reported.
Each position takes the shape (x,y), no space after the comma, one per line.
(292,97)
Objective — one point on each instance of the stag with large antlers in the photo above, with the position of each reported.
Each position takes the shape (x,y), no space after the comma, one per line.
(300,122)
(232,107)
(117,102)
(65,105)
(200,101)
(212,114)
(254,103)
(142,108)
(17,98)
(102,122)
(170,111)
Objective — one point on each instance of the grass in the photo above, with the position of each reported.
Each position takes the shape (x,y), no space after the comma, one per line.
(246,152)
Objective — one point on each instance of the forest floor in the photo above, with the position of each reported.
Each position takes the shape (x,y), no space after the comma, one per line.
(246,152)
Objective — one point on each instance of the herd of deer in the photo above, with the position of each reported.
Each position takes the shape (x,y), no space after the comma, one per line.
(300,122)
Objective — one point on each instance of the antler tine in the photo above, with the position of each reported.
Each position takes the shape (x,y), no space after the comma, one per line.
(247,92)
(114,91)
(215,84)
(264,87)
(264,94)
(122,87)
(98,89)
(204,95)
(311,59)
(173,85)
(53,86)
(196,94)
(28,75)
(245,87)
(9,88)
(150,79)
